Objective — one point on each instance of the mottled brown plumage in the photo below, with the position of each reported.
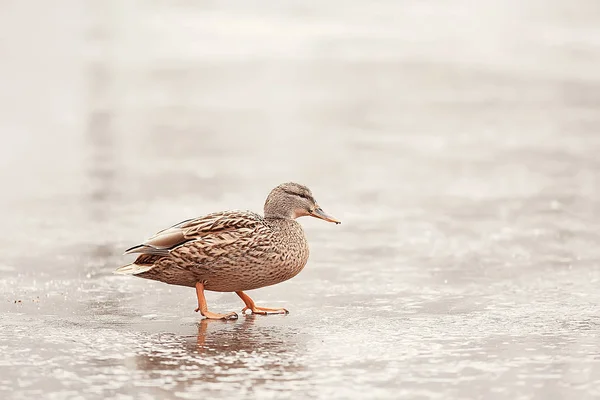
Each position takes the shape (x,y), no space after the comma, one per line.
(232,251)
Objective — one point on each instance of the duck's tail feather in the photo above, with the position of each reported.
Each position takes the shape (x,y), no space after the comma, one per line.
(133,269)
(147,249)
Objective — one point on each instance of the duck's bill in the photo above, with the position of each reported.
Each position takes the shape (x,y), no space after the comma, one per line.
(319,213)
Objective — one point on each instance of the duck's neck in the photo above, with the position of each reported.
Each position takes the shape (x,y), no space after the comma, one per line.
(278,213)
(281,219)
(288,232)
(283,224)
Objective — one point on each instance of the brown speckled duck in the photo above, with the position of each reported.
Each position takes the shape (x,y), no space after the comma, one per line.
(232,251)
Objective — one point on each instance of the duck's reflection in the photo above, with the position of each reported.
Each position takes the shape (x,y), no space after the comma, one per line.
(249,349)
(220,339)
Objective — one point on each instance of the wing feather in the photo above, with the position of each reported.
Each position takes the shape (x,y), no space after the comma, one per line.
(219,229)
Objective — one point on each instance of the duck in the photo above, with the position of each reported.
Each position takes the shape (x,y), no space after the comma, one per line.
(232,251)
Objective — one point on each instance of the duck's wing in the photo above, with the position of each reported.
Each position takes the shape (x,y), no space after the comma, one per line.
(218,228)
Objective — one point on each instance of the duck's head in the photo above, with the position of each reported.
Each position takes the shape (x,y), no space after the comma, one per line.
(292,200)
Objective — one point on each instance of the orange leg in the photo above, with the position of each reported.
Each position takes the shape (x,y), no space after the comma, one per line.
(203,308)
(258,310)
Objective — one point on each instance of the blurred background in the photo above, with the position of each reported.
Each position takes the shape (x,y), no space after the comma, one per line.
(457,141)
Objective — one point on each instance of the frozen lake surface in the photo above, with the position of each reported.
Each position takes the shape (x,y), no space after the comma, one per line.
(459,144)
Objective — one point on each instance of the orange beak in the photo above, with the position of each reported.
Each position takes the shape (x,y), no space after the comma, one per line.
(319,213)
